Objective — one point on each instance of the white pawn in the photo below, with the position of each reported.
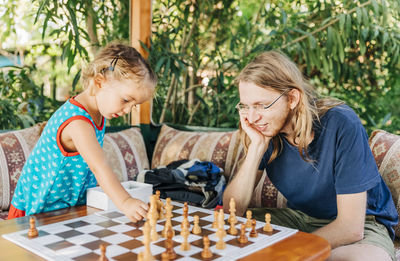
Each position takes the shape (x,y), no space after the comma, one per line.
(196,228)
(267,227)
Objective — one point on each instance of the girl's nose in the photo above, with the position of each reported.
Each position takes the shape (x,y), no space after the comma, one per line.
(127,109)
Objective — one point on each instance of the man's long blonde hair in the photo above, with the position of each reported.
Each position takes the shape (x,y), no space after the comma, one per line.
(275,71)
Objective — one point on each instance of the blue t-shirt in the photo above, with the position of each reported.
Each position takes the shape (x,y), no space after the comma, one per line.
(343,164)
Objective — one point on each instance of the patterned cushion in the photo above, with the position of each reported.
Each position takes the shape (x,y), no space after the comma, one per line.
(15,147)
(126,153)
(217,147)
(386,149)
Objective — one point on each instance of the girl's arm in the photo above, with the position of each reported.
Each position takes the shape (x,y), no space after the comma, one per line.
(80,135)
(348,227)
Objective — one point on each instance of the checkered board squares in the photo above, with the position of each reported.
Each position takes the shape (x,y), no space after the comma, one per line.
(80,238)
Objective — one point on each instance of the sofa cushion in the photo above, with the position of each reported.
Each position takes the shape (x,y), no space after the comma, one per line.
(126,153)
(386,149)
(217,147)
(15,147)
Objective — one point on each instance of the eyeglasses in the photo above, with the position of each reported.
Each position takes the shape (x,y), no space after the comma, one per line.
(243,108)
(112,65)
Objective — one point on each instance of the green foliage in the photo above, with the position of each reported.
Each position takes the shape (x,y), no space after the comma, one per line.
(22,101)
(349,50)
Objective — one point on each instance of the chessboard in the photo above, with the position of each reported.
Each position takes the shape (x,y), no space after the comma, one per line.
(80,238)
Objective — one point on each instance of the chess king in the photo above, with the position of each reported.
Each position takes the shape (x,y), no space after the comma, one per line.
(315,151)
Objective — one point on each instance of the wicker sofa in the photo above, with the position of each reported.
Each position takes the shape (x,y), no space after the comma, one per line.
(129,152)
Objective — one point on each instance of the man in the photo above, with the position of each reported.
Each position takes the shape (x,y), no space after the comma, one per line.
(315,151)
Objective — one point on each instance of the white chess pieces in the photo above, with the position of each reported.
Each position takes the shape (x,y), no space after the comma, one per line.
(160,206)
(232,218)
(221,233)
(103,257)
(248,216)
(215,222)
(232,210)
(206,253)
(267,227)
(185,234)
(196,228)
(152,216)
(32,232)
(147,256)
(168,216)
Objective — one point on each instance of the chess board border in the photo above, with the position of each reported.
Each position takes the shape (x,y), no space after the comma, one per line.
(19,238)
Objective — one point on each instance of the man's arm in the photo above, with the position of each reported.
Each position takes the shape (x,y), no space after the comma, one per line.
(348,227)
(242,185)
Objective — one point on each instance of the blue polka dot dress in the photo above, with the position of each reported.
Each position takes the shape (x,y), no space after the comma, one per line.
(53,178)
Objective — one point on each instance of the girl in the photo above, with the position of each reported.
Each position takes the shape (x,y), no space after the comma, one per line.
(315,151)
(68,157)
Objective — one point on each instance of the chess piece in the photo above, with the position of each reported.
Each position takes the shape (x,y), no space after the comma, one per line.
(153,233)
(140,256)
(267,227)
(248,216)
(169,246)
(164,256)
(185,234)
(196,228)
(103,253)
(206,253)
(160,206)
(147,256)
(161,215)
(215,222)
(253,232)
(232,229)
(185,223)
(32,232)
(185,209)
(168,204)
(168,216)
(220,231)
(152,216)
(232,210)
(221,217)
(232,218)
(243,238)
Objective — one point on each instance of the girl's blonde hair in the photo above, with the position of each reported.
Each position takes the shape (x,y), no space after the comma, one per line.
(129,63)
(275,71)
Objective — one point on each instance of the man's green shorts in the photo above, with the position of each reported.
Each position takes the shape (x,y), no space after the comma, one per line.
(375,233)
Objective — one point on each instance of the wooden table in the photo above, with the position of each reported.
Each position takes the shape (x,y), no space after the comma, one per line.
(300,246)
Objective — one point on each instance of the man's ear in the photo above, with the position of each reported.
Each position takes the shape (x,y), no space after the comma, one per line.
(294,98)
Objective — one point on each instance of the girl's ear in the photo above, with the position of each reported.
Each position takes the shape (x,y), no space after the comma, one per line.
(98,79)
(96,83)
(293,98)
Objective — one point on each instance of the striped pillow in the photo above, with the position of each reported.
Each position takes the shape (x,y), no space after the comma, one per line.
(386,150)
(126,153)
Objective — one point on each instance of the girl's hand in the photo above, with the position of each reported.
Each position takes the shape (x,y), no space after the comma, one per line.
(257,138)
(134,209)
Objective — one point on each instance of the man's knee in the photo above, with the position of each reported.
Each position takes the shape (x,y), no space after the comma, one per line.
(359,252)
